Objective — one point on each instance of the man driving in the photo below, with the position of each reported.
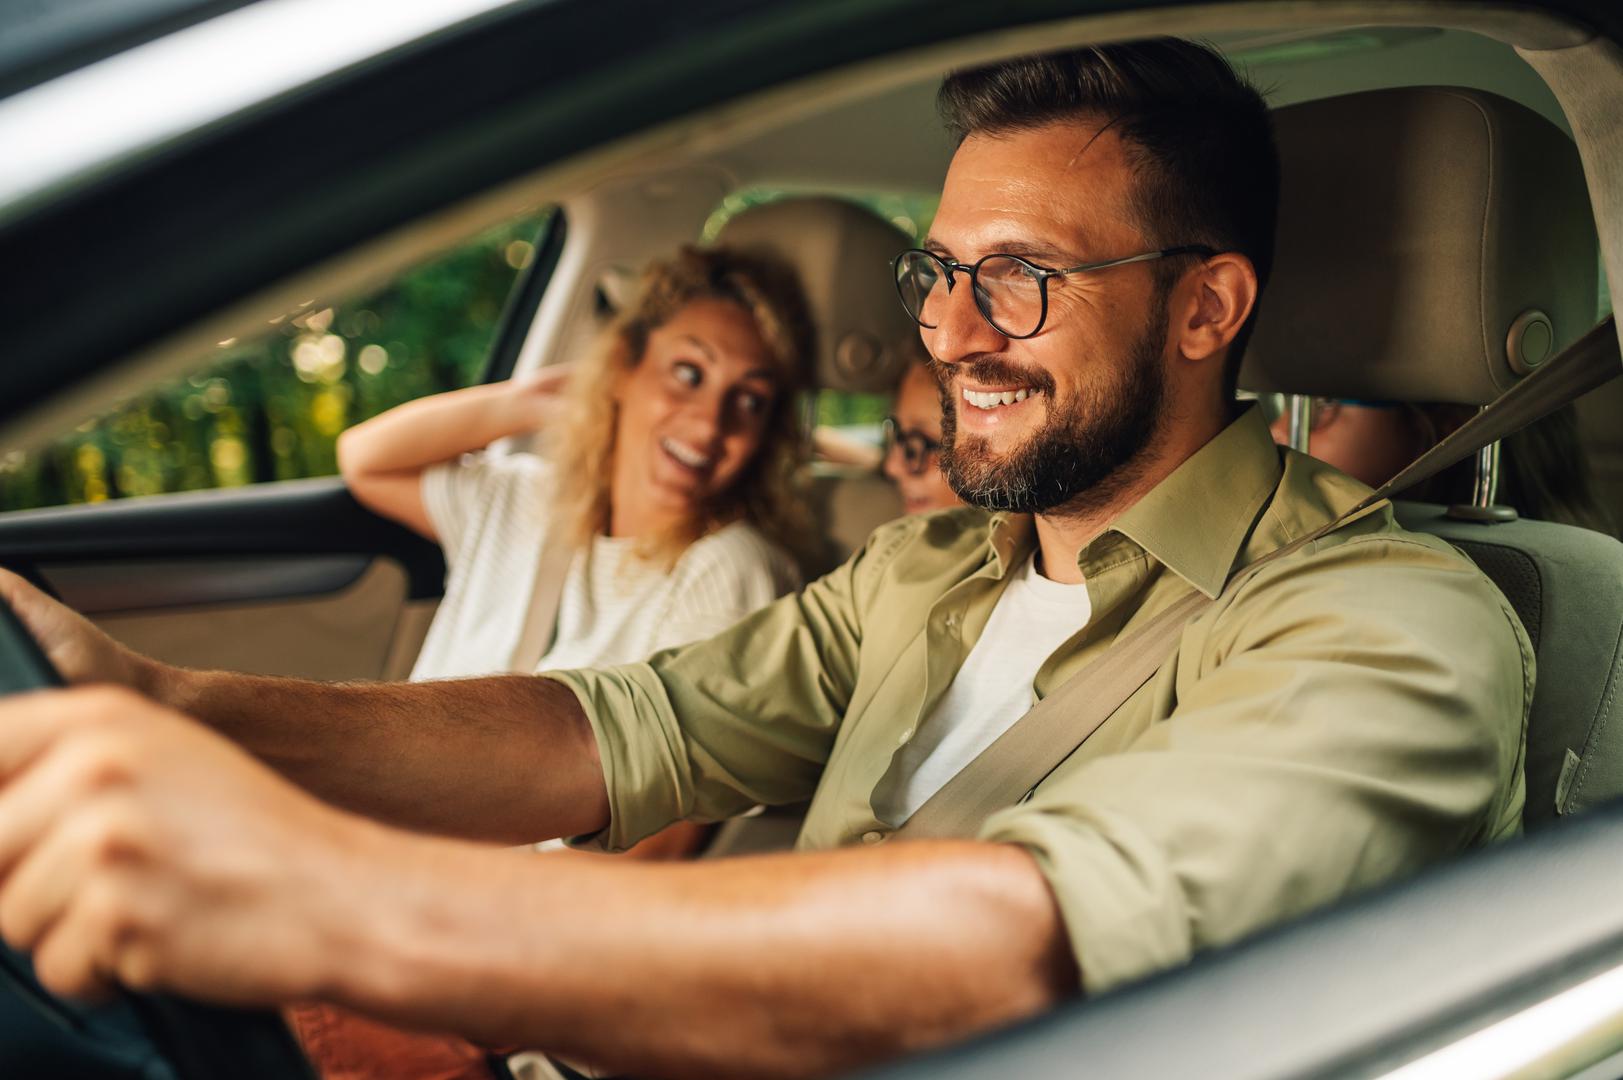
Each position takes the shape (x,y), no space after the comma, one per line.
(1348,714)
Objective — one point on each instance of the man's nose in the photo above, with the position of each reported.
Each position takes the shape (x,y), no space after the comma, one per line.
(961,330)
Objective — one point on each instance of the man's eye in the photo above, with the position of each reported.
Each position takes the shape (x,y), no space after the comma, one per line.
(687,374)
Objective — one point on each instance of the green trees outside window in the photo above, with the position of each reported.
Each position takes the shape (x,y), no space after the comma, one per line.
(271,407)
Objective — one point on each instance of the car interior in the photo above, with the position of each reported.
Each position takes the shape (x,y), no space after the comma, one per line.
(365,621)
(1438,242)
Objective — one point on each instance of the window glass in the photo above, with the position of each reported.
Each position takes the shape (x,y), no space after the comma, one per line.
(271,407)
(912,213)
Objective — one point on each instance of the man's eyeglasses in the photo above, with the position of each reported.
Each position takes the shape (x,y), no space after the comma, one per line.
(918,449)
(1010,292)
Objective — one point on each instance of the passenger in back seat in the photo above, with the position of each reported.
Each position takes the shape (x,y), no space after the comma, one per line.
(913,444)
(1543,472)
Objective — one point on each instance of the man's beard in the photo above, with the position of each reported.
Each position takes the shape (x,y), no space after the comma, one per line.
(1086,449)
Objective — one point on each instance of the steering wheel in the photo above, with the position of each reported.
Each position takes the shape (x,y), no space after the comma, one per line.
(145,1036)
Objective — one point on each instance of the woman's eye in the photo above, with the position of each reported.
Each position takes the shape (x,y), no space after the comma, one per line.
(753,404)
(687,374)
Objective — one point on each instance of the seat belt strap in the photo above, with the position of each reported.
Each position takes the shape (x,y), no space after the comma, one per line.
(1023,756)
(541,617)
(1000,775)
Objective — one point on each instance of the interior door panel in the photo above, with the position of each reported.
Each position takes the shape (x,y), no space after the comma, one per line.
(285,579)
(116,586)
(344,633)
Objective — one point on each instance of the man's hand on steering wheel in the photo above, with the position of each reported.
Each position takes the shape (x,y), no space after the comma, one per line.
(141,848)
(78,650)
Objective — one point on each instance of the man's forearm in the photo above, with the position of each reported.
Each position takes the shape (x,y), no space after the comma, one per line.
(504,758)
(785,965)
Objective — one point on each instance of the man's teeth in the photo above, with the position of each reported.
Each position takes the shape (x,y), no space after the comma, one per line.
(693,459)
(982,400)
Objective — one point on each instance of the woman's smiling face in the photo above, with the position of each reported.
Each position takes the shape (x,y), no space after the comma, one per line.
(691,416)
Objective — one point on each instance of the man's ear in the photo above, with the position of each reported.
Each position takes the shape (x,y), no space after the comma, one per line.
(1219,297)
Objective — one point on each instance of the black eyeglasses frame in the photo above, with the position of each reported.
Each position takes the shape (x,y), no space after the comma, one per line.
(917,447)
(1041,274)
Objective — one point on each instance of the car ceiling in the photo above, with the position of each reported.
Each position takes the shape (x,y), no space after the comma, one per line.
(891,141)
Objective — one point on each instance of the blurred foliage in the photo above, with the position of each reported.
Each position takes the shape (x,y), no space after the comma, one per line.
(836,409)
(271,407)
(910,213)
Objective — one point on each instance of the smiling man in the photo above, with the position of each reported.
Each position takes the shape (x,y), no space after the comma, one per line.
(1348,714)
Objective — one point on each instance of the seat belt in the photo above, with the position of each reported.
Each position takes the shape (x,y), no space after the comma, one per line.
(541,617)
(1019,759)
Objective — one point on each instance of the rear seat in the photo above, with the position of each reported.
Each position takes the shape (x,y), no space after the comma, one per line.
(865,340)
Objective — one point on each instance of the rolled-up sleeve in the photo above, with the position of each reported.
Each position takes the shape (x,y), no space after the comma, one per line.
(1345,718)
(709,730)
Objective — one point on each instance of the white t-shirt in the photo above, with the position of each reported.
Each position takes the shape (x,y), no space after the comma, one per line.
(492,514)
(994,688)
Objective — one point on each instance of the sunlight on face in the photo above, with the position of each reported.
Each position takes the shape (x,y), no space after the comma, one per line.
(1038,422)
(692,414)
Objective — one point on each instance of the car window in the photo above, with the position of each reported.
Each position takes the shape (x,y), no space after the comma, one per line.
(271,407)
(854,416)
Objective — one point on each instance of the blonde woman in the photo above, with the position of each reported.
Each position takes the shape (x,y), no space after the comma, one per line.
(667,483)
(668,475)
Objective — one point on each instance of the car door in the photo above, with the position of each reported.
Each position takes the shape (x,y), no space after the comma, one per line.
(281,576)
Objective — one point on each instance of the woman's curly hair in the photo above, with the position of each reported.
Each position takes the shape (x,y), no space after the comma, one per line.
(582,445)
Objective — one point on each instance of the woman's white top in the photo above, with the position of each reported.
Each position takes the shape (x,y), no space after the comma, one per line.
(492,515)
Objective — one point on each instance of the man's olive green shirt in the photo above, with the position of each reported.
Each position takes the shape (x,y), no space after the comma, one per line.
(1353,711)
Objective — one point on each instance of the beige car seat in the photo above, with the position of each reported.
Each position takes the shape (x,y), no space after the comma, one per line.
(865,340)
(1434,245)
(864,343)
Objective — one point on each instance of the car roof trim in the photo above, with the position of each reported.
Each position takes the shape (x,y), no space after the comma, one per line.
(67,130)
(42,42)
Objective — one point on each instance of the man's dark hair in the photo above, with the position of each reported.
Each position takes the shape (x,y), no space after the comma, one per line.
(1200,137)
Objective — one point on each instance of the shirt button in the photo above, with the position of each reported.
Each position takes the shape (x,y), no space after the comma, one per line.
(952,621)
(873,836)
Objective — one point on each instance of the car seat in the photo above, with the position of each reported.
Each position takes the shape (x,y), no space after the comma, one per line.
(864,343)
(864,339)
(1435,244)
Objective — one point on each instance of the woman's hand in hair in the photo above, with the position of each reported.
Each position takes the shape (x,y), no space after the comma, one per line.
(542,392)
(383,459)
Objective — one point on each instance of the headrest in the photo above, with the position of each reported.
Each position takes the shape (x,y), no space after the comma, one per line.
(843,253)
(1435,244)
